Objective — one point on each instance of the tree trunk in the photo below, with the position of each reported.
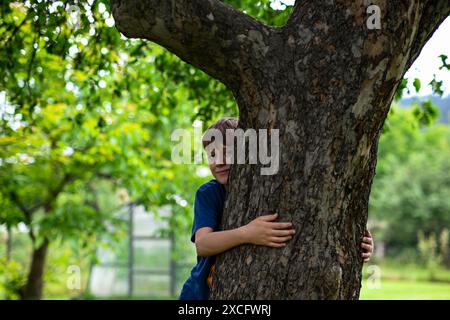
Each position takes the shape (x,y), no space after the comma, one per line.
(33,288)
(8,242)
(323,187)
(325,80)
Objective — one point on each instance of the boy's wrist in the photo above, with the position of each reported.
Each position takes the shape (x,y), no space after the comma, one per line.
(243,235)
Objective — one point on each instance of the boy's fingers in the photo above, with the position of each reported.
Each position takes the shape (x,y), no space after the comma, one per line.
(366,260)
(281,225)
(277,245)
(280,239)
(269,217)
(365,254)
(281,233)
(366,246)
(367,233)
(367,240)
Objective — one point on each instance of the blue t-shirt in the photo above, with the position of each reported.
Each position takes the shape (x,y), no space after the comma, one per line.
(208,209)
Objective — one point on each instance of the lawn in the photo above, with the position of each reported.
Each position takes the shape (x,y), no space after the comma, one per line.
(404,281)
(406,290)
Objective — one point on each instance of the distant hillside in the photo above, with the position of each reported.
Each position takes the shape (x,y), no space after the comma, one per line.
(442,103)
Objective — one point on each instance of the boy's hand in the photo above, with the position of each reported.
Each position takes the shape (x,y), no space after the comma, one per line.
(367,246)
(263,231)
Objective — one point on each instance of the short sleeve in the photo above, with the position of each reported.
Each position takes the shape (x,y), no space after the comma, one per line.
(205,211)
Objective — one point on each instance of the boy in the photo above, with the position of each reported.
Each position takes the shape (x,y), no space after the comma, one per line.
(209,241)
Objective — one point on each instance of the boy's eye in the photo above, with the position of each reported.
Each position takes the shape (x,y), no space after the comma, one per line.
(213,154)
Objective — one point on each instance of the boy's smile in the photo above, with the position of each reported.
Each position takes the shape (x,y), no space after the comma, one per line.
(220,172)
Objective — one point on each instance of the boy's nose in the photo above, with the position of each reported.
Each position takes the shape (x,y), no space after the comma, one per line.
(220,160)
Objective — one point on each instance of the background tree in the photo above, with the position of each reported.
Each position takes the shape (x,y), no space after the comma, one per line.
(73,115)
(409,192)
(326,81)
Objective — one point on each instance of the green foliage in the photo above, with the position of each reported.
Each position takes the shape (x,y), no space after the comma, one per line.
(435,84)
(434,250)
(425,112)
(411,187)
(428,249)
(264,11)
(91,101)
(86,118)
(417,84)
(444,247)
(445,65)
(401,87)
(12,279)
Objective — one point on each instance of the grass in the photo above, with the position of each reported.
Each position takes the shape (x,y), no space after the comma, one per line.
(391,280)
(406,290)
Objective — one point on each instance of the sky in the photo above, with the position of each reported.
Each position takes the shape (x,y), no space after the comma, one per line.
(428,62)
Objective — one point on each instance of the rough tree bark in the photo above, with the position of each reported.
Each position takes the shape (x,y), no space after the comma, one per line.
(326,82)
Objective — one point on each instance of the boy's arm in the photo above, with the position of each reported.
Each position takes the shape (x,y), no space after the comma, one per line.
(209,243)
(261,231)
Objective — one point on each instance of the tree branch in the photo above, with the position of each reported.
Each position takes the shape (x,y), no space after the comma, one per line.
(54,193)
(208,34)
(434,13)
(14,197)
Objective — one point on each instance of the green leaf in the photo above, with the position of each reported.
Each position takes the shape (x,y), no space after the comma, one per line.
(416,84)
(436,86)
(402,86)
(444,62)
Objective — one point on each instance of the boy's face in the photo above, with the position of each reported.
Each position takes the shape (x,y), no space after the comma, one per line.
(218,165)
